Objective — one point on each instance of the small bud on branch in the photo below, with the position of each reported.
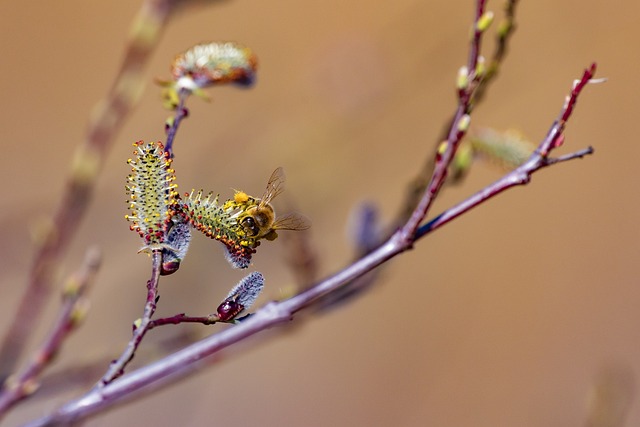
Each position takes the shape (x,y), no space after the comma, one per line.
(241,297)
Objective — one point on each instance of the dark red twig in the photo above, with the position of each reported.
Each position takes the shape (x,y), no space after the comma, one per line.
(183,318)
(181,112)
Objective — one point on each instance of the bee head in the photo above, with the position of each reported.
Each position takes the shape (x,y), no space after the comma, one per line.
(250,226)
(258,220)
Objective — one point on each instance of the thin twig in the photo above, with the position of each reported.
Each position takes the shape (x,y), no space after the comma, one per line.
(183,318)
(71,313)
(116,368)
(181,112)
(182,362)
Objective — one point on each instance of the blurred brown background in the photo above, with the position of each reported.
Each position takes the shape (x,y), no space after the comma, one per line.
(510,315)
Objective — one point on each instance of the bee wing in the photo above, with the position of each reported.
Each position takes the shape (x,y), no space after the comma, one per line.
(275,186)
(291,221)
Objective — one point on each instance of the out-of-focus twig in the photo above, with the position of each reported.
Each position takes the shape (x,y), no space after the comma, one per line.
(172,127)
(366,235)
(505,31)
(302,258)
(25,382)
(107,118)
(611,396)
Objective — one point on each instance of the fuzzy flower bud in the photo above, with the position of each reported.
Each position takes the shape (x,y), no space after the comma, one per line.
(463,124)
(462,80)
(485,21)
(177,245)
(207,64)
(241,297)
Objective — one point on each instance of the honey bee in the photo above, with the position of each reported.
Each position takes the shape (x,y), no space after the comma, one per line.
(259,220)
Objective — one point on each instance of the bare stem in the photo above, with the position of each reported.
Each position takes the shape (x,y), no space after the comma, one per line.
(25,382)
(183,318)
(180,113)
(182,362)
(575,155)
(116,369)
